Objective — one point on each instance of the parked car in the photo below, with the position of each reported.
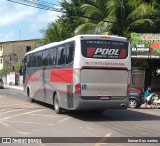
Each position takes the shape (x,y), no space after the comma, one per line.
(136,98)
(1,84)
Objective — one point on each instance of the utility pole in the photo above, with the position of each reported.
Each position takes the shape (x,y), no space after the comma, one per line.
(20,34)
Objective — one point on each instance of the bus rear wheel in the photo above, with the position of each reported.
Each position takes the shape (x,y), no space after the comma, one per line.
(57,109)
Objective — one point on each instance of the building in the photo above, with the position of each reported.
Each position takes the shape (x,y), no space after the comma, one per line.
(145,48)
(12,52)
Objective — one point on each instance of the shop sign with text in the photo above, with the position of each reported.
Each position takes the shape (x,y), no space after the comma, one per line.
(145,45)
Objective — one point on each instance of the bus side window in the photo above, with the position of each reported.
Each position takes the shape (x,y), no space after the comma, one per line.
(52,57)
(45,57)
(69,53)
(39,59)
(25,63)
(34,56)
(29,63)
(61,55)
(24,68)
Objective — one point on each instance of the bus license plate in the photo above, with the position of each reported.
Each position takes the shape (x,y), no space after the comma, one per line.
(104,97)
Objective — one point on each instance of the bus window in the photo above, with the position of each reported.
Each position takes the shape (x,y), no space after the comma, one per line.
(39,59)
(29,63)
(45,57)
(61,55)
(34,56)
(24,68)
(69,53)
(52,57)
(101,49)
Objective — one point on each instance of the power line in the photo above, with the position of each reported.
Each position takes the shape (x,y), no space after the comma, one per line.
(38,4)
(44,2)
(49,6)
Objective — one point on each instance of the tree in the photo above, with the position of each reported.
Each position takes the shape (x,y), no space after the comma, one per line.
(73,16)
(96,21)
(54,33)
(65,25)
(120,17)
(17,67)
(5,71)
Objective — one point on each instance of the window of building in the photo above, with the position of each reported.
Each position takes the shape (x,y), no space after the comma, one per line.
(1,48)
(28,48)
(1,61)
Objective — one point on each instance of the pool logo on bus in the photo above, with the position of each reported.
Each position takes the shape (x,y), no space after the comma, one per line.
(106,53)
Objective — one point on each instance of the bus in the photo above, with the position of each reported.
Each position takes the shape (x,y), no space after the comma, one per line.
(85,72)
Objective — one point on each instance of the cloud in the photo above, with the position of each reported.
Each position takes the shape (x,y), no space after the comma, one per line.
(42,19)
(15,17)
(7,36)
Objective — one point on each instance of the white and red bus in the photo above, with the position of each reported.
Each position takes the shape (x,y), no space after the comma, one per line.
(86,72)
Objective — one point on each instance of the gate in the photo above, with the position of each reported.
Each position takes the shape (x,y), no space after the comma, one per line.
(138,77)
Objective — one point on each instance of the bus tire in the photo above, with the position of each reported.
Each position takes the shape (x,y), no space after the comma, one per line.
(31,99)
(29,96)
(57,109)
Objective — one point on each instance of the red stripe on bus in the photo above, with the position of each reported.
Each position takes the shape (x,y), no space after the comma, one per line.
(32,78)
(90,52)
(62,76)
(123,54)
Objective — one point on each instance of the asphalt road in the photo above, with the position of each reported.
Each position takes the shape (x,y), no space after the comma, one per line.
(20,118)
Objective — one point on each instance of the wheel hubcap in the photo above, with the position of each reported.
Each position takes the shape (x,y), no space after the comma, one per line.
(132,103)
(56,104)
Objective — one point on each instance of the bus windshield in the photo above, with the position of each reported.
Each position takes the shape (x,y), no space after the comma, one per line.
(104,49)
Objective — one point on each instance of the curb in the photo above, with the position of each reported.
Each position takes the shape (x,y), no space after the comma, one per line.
(14,87)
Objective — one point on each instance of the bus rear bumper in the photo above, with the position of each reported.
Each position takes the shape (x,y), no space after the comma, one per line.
(80,104)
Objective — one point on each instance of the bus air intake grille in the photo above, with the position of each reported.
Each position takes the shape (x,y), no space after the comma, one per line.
(69,96)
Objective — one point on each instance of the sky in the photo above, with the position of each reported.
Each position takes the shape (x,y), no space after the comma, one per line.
(19,22)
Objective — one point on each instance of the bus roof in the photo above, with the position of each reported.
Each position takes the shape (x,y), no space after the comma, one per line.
(83,37)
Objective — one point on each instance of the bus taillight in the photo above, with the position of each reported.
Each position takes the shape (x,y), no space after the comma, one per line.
(78,89)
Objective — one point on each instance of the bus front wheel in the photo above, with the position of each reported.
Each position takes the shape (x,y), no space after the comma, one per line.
(29,96)
(57,109)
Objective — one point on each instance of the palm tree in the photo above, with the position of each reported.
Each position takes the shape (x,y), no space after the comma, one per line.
(54,33)
(72,17)
(96,13)
(119,17)
(131,16)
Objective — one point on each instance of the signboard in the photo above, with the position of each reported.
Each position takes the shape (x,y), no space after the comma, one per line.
(145,45)
(12,78)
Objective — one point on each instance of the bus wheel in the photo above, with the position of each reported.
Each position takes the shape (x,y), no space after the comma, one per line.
(57,109)
(31,99)
(28,94)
